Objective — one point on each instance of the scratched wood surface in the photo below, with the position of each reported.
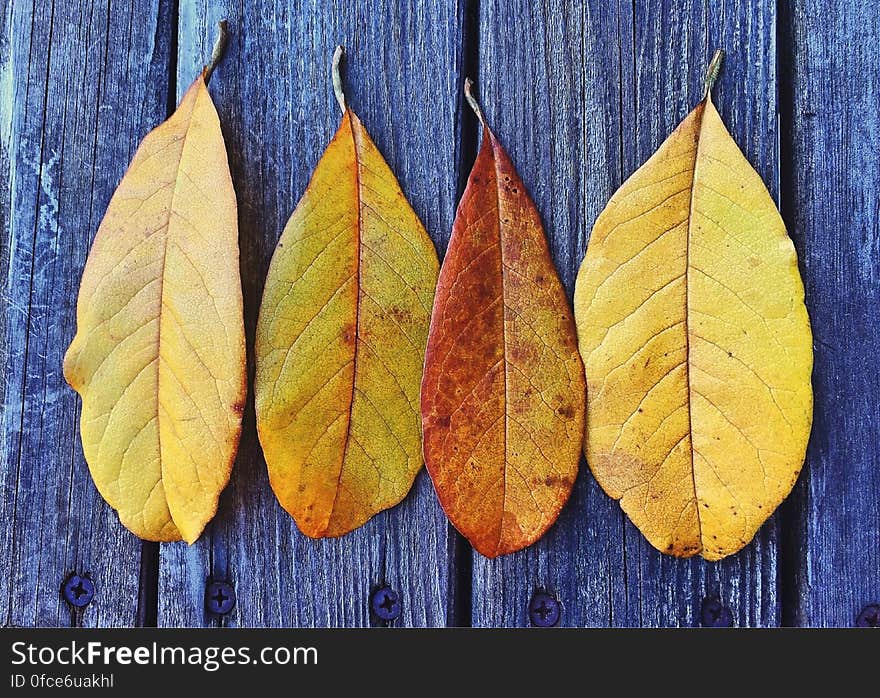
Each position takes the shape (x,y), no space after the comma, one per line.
(580,93)
(80,87)
(831,151)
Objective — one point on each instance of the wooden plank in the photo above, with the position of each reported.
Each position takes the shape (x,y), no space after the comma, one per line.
(549,84)
(275,101)
(81,84)
(831,149)
(581,95)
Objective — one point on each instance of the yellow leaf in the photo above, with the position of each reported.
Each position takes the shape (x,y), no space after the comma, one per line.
(159,353)
(341,340)
(697,346)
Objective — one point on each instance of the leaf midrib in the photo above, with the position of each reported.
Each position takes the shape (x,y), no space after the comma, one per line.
(357,316)
(687,312)
(491,139)
(171,209)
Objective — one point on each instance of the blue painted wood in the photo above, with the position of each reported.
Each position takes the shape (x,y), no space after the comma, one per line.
(80,84)
(831,147)
(276,105)
(581,94)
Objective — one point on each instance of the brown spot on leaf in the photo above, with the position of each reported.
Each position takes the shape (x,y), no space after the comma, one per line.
(556,481)
(349,334)
(401,316)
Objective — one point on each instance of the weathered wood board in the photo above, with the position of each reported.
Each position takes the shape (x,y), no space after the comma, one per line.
(831,155)
(80,85)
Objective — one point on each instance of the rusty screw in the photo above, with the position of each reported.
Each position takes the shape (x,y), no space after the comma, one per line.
(219,598)
(714,614)
(869,617)
(544,610)
(78,591)
(385,603)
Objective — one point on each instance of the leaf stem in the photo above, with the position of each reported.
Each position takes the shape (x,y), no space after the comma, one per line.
(219,48)
(337,77)
(712,73)
(469,96)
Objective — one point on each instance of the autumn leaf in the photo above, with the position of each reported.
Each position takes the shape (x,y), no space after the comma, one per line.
(503,390)
(696,343)
(341,338)
(159,353)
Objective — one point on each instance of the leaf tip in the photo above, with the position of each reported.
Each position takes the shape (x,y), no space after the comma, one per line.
(712,73)
(219,49)
(472,101)
(338,55)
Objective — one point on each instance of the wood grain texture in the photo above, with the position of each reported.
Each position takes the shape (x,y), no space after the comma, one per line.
(612,81)
(276,105)
(80,85)
(831,148)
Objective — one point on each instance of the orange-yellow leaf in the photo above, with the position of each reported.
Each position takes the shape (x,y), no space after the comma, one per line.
(159,353)
(340,342)
(503,390)
(697,346)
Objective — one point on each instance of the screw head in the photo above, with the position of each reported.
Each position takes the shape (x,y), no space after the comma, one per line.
(869,617)
(385,603)
(544,609)
(714,614)
(78,591)
(219,598)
